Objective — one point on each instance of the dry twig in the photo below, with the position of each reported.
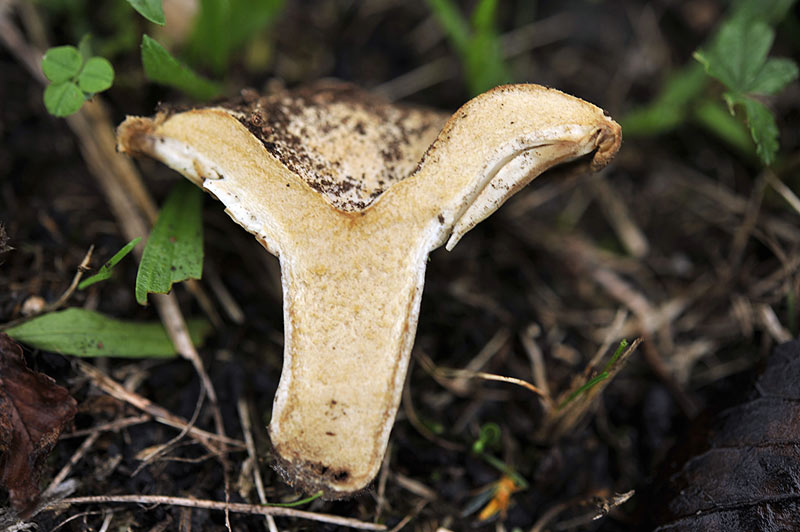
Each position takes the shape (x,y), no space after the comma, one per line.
(83,267)
(435,370)
(538,368)
(74,459)
(601,503)
(162,415)
(115,425)
(247,430)
(235,507)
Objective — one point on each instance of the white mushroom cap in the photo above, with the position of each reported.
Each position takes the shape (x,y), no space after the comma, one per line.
(352,194)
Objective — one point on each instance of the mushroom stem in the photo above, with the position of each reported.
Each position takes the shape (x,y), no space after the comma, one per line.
(349,320)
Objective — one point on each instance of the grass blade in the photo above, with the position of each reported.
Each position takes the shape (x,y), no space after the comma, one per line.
(106,269)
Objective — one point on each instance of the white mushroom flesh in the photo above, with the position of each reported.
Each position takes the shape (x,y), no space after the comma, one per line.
(352,194)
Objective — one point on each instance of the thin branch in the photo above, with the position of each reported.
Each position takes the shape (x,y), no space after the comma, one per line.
(785,192)
(74,459)
(159,413)
(83,267)
(773,325)
(380,496)
(115,425)
(414,512)
(601,504)
(162,449)
(432,368)
(252,509)
(538,368)
(247,430)
(620,218)
(487,352)
(229,304)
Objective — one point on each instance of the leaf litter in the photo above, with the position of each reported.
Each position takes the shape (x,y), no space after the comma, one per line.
(34,410)
(747,476)
(708,316)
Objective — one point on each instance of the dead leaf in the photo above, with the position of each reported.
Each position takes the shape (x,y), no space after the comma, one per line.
(33,412)
(748,475)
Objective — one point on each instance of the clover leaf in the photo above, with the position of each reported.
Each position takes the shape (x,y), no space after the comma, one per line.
(738,58)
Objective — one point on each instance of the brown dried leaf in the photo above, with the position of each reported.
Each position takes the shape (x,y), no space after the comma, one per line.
(749,476)
(33,412)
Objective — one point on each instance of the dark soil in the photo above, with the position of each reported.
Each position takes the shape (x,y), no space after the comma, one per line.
(723,255)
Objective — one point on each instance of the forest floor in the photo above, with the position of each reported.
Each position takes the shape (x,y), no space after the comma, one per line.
(682,241)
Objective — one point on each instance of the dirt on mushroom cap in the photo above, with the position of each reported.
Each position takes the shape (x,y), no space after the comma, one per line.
(347,144)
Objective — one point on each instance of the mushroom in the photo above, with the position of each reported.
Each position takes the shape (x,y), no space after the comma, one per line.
(352,193)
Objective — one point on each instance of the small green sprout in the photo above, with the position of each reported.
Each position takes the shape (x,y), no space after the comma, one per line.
(74,78)
(106,269)
(603,375)
(489,436)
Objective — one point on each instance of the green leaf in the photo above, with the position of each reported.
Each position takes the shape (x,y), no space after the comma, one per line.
(623,344)
(97,75)
(774,76)
(150,9)
(63,99)
(738,58)
(588,385)
(161,67)
(61,63)
(90,334)
(762,126)
(222,26)
(489,436)
(106,269)
(738,53)
(174,251)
